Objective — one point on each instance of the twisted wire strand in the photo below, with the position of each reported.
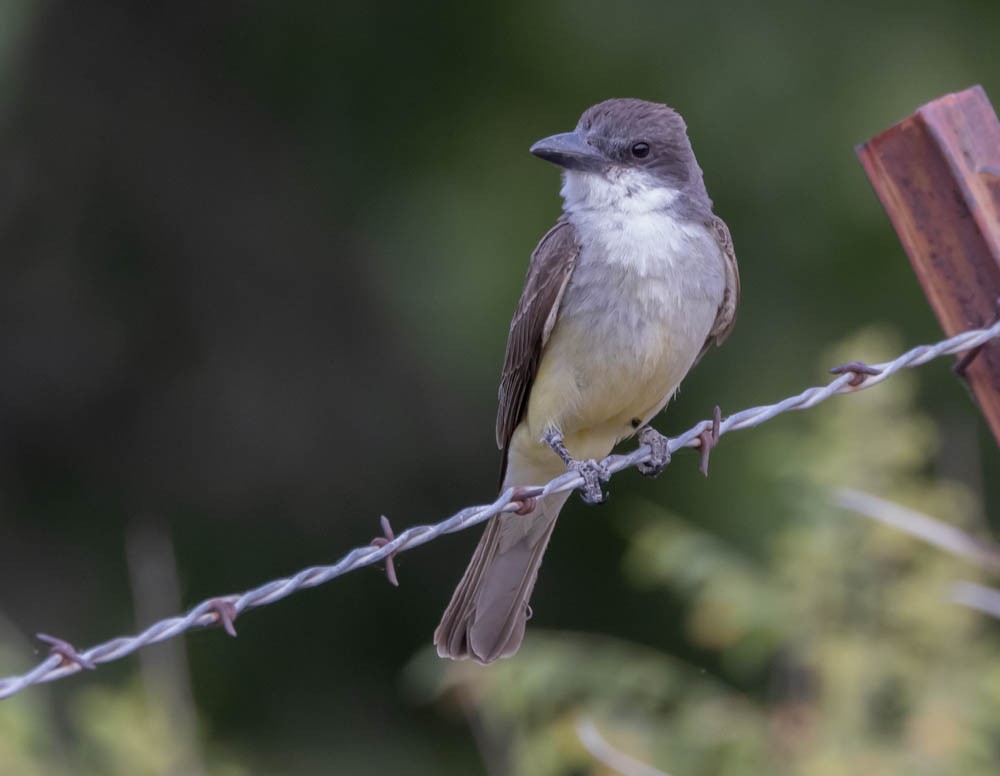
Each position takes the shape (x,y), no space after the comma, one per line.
(64,661)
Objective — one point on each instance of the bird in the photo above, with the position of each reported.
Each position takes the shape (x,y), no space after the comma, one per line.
(636,280)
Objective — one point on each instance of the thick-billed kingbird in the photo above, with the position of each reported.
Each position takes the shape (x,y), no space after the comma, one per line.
(636,280)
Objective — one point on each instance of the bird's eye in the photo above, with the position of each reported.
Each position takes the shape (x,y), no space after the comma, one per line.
(640,150)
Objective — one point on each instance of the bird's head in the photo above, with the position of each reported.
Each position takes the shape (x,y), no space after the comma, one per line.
(633,145)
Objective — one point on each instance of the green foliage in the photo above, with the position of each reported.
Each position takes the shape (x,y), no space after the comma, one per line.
(108,731)
(854,659)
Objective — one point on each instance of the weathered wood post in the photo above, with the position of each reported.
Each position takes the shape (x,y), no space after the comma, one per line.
(937,174)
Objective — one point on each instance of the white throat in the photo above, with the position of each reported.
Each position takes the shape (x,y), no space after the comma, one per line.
(621,190)
(629,219)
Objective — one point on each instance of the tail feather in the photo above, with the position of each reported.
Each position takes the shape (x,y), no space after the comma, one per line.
(489,609)
(450,637)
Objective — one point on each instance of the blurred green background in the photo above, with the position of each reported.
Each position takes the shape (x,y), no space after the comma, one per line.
(258,263)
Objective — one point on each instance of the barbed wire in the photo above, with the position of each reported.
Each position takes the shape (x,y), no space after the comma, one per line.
(64,660)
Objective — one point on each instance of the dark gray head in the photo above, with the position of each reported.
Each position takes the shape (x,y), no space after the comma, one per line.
(621,134)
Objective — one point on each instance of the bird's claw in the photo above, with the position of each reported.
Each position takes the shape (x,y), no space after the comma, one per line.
(659,452)
(593,474)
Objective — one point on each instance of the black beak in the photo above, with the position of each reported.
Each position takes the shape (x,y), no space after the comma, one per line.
(571,151)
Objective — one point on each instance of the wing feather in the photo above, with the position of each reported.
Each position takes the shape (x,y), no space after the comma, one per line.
(549,271)
(725,318)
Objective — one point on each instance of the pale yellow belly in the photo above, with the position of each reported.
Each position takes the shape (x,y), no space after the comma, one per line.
(599,387)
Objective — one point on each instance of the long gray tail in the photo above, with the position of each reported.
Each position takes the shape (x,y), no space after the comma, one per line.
(487,614)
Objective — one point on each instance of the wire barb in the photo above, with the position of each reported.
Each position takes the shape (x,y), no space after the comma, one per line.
(708,439)
(65,662)
(224,611)
(525,501)
(858,370)
(382,541)
(66,652)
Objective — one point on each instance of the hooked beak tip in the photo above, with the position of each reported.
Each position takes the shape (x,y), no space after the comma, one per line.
(571,151)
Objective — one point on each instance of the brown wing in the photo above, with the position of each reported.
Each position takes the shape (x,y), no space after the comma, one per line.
(551,265)
(725,318)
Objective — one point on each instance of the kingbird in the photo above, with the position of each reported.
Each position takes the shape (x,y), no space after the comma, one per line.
(636,280)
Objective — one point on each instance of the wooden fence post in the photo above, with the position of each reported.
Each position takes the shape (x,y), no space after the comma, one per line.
(937,174)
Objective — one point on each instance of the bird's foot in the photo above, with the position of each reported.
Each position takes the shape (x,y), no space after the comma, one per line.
(659,452)
(592,472)
(709,439)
